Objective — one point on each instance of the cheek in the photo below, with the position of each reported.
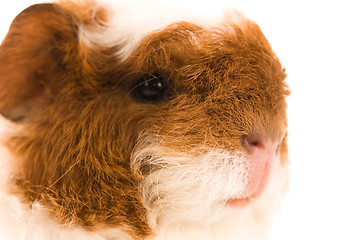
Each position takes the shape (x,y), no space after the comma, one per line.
(177,184)
(180,186)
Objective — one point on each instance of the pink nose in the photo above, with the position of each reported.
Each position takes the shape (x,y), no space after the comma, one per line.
(261,153)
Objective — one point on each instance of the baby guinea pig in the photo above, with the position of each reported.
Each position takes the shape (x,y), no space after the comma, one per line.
(139,121)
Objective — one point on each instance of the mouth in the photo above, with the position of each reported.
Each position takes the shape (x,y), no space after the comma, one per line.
(242,202)
(255,187)
(238,202)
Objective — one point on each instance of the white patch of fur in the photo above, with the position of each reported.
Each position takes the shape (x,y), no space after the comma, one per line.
(18,222)
(186,194)
(180,183)
(131,21)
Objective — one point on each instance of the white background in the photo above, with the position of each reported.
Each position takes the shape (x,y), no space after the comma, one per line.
(319,43)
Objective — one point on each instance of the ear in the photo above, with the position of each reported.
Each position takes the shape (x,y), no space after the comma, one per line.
(30,55)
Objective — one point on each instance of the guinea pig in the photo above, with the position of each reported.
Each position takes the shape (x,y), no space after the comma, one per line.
(127,121)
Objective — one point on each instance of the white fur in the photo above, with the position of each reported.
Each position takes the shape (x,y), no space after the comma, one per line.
(182,182)
(131,21)
(187,194)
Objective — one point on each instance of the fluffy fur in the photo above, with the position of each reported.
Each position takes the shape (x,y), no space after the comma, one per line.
(85,158)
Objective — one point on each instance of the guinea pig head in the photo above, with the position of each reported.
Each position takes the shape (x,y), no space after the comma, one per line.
(218,120)
(187,126)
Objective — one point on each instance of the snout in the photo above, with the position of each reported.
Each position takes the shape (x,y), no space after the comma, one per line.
(260,154)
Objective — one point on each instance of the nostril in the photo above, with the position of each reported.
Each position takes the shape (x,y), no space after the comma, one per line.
(253,141)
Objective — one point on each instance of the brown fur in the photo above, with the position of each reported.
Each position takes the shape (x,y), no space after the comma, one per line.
(82,122)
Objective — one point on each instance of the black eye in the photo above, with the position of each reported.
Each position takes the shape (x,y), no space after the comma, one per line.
(151,88)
